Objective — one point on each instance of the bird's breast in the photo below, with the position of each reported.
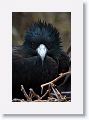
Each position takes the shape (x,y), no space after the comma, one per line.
(43,72)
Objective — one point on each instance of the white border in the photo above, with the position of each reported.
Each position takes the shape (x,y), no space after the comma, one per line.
(6,9)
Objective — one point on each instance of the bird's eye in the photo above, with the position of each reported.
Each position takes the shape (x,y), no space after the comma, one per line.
(32,44)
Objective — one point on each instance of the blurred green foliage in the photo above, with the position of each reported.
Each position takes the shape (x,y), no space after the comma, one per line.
(61,20)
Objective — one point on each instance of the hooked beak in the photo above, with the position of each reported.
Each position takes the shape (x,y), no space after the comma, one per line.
(42,50)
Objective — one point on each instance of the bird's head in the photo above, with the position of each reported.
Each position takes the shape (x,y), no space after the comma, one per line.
(42,39)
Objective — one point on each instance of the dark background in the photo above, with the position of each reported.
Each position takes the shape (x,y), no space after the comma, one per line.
(61,20)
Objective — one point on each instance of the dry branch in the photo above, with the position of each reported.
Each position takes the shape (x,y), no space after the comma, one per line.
(25,94)
(33,94)
(56,79)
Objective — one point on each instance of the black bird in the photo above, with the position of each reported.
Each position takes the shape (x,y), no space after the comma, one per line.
(39,60)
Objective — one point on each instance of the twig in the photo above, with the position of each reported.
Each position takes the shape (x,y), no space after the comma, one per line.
(56,79)
(18,100)
(52,99)
(33,94)
(58,95)
(61,97)
(64,92)
(44,94)
(52,86)
(25,94)
(49,88)
(40,100)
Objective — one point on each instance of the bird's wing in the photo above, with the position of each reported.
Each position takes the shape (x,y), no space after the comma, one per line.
(64,62)
(64,84)
(22,65)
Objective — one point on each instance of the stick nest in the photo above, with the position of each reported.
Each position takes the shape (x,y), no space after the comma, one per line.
(54,95)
